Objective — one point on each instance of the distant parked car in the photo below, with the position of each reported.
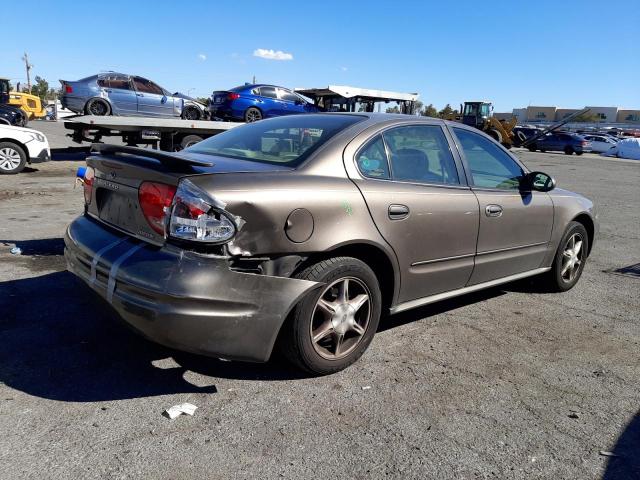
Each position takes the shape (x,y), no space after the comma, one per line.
(522,134)
(128,95)
(19,146)
(10,115)
(566,142)
(253,102)
(600,143)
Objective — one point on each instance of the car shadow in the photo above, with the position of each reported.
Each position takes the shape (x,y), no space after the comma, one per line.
(61,341)
(625,462)
(40,247)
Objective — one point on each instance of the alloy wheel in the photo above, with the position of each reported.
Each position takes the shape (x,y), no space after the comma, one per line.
(340,318)
(9,159)
(253,116)
(572,257)
(98,109)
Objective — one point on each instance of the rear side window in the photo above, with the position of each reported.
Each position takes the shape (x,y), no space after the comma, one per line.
(268,92)
(287,140)
(120,82)
(490,166)
(421,153)
(372,160)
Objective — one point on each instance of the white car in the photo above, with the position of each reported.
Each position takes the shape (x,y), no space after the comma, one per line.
(19,146)
(600,143)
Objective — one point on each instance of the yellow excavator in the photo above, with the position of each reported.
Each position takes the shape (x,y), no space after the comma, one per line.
(29,104)
(480,116)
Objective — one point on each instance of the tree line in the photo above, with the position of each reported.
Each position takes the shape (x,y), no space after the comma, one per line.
(419,108)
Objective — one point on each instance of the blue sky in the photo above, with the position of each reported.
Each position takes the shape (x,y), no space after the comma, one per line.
(565,53)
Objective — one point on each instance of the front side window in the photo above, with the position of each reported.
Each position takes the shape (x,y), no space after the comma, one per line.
(288,96)
(421,153)
(491,167)
(147,86)
(372,160)
(287,140)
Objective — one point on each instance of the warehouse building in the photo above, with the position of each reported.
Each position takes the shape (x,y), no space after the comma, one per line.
(549,114)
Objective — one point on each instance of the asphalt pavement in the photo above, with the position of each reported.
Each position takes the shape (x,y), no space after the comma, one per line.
(506,383)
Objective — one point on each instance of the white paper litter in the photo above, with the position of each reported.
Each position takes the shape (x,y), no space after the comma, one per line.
(176,410)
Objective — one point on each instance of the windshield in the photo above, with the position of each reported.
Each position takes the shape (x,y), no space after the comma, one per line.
(287,140)
(4,86)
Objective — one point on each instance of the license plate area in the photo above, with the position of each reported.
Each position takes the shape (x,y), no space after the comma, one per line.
(118,208)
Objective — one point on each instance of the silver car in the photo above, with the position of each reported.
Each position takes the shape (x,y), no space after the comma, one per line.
(114,93)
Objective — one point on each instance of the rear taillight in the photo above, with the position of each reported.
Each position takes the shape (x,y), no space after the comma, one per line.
(68,89)
(233,96)
(87,184)
(584,143)
(155,200)
(195,216)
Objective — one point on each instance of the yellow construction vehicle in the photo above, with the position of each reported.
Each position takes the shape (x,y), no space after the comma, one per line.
(480,116)
(30,104)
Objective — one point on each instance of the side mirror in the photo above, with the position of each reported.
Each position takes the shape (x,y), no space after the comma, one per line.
(299,102)
(540,181)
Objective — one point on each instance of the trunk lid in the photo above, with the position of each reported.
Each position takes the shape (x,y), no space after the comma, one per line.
(119,172)
(220,97)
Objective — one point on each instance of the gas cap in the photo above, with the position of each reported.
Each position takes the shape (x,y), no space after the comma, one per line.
(299,225)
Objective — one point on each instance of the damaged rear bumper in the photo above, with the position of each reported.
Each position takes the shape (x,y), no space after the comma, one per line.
(181,299)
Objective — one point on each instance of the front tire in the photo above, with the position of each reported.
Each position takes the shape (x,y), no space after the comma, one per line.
(252,115)
(191,113)
(570,259)
(12,158)
(332,327)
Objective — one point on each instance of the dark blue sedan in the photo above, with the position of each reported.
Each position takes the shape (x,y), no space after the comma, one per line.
(253,102)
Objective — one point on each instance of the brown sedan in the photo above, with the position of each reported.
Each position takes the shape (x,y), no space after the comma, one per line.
(301,231)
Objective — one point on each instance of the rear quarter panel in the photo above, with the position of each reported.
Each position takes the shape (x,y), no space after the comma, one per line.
(265,201)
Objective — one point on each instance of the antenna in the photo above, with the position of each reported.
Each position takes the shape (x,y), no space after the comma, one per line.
(28,66)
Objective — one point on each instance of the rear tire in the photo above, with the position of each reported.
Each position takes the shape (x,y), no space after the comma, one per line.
(252,114)
(579,153)
(568,265)
(97,107)
(532,149)
(568,150)
(13,158)
(332,326)
(189,140)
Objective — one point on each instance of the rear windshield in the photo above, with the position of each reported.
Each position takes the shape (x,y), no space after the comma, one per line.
(287,140)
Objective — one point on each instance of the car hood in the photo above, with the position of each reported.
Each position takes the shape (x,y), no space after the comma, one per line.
(233,165)
(187,97)
(11,128)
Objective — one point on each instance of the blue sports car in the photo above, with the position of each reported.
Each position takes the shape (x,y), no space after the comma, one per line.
(114,93)
(253,102)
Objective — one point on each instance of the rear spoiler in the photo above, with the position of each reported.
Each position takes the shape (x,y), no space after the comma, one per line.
(167,159)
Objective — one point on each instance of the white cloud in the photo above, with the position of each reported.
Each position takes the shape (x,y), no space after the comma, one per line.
(344,69)
(202,57)
(272,54)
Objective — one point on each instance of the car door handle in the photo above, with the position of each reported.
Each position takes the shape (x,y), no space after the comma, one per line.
(493,210)
(398,212)
(139,94)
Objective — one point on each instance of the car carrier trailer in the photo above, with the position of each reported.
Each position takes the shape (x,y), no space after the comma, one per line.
(168,134)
